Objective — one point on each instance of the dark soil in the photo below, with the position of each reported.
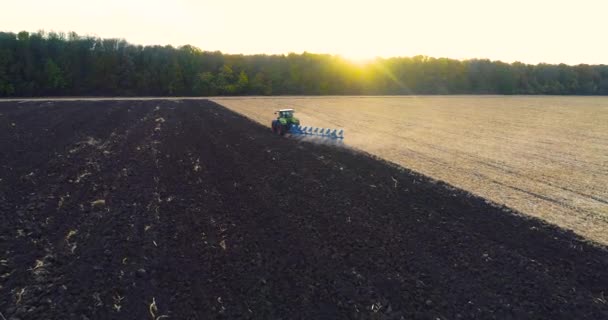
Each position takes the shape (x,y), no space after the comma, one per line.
(144,209)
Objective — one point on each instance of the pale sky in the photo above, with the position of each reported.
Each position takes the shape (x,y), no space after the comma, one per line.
(532,31)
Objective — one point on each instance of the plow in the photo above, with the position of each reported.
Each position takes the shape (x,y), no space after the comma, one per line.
(287,123)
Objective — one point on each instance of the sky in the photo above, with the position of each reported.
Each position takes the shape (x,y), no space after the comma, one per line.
(530,31)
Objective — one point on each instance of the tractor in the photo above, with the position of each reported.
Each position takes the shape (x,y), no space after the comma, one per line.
(284,121)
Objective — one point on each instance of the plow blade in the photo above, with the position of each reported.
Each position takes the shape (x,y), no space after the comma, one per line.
(318,132)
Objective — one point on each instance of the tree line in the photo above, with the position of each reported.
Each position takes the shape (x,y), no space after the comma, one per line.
(54,64)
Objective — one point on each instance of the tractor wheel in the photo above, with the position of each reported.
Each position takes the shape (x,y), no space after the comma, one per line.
(276,127)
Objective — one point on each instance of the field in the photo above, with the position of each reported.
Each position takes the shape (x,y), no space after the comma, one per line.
(183,209)
(543,156)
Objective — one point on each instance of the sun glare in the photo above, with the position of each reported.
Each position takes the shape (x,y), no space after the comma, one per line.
(358,59)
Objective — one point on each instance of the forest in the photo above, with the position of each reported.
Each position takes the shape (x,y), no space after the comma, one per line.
(58,64)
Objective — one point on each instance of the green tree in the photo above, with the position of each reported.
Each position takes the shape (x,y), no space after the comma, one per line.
(242,85)
(205,85)
(54,76)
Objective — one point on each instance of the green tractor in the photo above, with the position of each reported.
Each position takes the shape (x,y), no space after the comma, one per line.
(284,122)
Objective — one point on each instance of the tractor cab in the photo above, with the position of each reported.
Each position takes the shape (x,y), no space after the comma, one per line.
(286,118)
(285,113)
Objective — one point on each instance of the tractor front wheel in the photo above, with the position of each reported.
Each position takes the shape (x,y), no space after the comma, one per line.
(278,128)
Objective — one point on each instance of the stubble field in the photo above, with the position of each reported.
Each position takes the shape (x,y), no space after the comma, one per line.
(543,156)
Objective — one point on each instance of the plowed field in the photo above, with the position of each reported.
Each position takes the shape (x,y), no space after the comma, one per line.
(185,210)
(543,156)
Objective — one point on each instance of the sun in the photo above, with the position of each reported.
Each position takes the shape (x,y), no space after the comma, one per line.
(358,58)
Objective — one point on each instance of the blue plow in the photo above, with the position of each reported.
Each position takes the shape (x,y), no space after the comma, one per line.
(318,132)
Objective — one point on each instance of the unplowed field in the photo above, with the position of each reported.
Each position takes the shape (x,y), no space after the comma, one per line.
(185,210)
(543,156)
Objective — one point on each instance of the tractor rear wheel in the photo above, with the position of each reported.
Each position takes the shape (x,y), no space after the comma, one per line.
(276,127)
